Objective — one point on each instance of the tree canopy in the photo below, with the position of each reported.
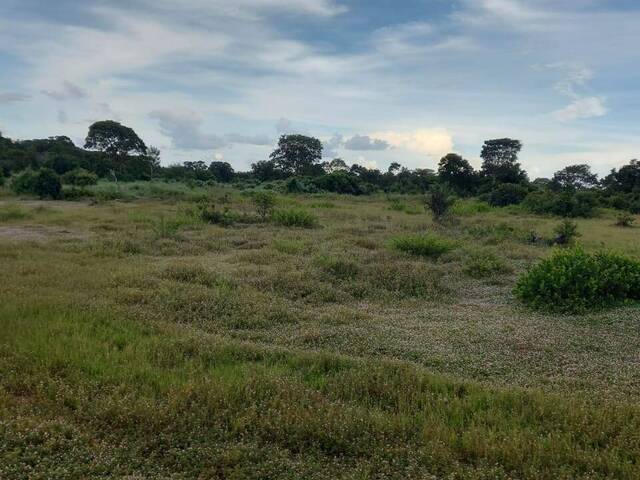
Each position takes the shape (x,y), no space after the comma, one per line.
(297,154)
(500,161)
(114,139)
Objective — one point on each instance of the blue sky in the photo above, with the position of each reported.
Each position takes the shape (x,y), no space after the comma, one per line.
(377,81)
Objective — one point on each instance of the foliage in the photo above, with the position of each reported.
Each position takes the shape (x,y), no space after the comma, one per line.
(626,179)
(463,207)
(264,202)
(483,264)
(24,182)
(625,219)
(458,173)
(564,204)
(506,194)
(294,217)
(500,161)
(566,232)
(45,183)
(439,201)
(426,245)
(221,172)
(574,177)
(297,154)
(573,281)
(114,139)
(340,182)
(80,178)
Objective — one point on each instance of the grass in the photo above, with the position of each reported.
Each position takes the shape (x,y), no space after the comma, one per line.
(255,351)
(294,217)
(13,211)
(426,245)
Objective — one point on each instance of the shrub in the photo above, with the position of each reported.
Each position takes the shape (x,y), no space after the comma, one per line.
(264,202)
(485,264)
(340,182)
(572,281)
(45,183)
(294,217)
(24,182)
(507,194)
(439,201)
(80,178)
(565,204)
(625,219)
(423,245)
(566,232)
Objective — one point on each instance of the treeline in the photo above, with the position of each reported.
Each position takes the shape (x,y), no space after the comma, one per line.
(115,152)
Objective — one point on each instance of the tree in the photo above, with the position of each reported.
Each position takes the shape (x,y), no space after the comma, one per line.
(154,159)
(264,202)
(266,170)
(626,179)
(500,161)
(394,168)
(457,172)
(114,139)
(197,170)
(336,165)
(574,177)
(221,171)
(297,154)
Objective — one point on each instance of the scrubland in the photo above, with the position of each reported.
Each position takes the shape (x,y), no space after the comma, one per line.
(368,342)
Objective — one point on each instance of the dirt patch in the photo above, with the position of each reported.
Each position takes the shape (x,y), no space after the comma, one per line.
(38,233)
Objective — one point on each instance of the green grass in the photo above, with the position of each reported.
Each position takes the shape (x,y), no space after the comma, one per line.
(294,217)
(196,350)
(13,211)
(426,245)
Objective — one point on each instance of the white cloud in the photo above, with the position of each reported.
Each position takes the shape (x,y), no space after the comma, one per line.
(434,142)
(581,108)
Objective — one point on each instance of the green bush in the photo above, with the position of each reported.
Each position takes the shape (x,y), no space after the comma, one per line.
(439,201)
(80,178)
(294,217)
(423,245)
(507,194)
(564,204)
(625,219)
(566,232)
(573,281)
(485,264)
(24,182)
(264,203)
(45,183)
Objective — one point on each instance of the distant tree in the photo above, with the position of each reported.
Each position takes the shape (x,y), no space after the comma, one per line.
(394,168)
(500,161)
(457,172)
(114,139)
(626,179)
(507,194)
(297,154)
(336,165)
(574,177)
(197,170)
(154,159)
(266,170)
(221,171)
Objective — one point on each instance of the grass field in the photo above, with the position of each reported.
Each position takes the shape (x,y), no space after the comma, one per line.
(137,341)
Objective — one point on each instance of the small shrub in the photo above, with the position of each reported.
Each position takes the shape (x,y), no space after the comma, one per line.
(337,267)
(209,213)
(485,264)
(264,203)
(423,245)
(24,182)
(439,201)
(572,281)
(294,217)
(566,233)
(625,220)
(76,193)
(80,178)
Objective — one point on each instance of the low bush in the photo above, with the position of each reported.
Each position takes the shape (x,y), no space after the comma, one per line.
(427,245)
(625,219)
(573,281)
(566,233)
(80,178)
(294,217)
(564,204)
(439,201)
(45,183)
(484,264)
(264,203)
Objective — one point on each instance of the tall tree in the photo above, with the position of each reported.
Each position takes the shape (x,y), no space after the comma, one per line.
(574,177)
(626,179)
(114,139)
(297,154)
(500,161)
(221,171)
(458,173)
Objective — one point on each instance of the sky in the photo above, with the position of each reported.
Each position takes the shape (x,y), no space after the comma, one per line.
(378,81)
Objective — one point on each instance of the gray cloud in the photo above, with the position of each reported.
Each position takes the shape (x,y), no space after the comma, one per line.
(10,97)
(185,131)
(365,142)
(69,91)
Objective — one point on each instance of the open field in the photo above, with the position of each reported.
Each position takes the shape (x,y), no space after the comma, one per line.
(138,340)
